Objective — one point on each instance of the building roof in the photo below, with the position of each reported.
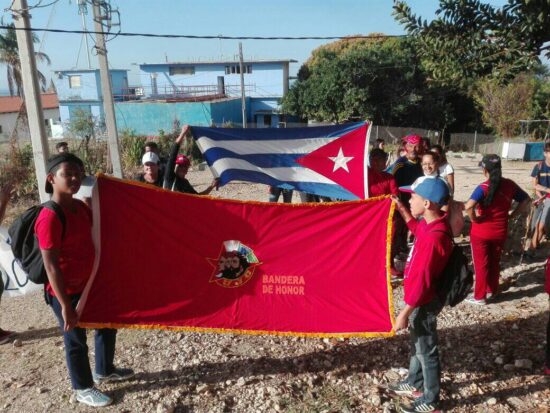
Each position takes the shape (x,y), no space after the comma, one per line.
(86,70)
(220,62)
(12,104)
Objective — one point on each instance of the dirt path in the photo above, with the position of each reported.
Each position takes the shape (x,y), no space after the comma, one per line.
(491,356)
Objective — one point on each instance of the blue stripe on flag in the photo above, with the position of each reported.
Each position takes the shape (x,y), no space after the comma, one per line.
(332,191)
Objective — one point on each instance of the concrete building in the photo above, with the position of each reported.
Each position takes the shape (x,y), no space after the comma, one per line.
(265,81)
(197,93)
(80,89)
(9,111)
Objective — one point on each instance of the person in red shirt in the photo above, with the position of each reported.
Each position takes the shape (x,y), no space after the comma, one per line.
(68,253)
(427,259)
(380,182)
(488,209)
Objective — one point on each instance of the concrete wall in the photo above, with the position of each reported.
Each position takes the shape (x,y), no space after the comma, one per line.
(67,108)
(90,84)
(8,120)
(148,118)
(119,83)
(229,111)
(88,89)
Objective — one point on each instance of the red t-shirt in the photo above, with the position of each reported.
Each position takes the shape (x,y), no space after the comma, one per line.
(76,248)
(493,219)
(381,183)
(427,259)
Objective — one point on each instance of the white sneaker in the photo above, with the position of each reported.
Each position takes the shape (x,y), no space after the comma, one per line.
(93,397)
(472,300)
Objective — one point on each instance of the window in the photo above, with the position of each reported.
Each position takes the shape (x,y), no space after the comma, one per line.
(236,69)
(74,81)
(267,120)
(181,70)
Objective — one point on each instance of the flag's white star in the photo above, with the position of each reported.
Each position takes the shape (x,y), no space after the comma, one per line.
(340,161)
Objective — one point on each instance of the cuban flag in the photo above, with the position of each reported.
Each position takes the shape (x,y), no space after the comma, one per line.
(323,160)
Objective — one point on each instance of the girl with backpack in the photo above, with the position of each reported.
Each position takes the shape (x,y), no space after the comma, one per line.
(488,209)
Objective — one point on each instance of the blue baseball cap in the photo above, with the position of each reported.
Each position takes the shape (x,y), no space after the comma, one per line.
(432,188)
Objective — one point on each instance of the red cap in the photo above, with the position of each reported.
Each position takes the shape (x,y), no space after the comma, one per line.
(183,160)
(412,139)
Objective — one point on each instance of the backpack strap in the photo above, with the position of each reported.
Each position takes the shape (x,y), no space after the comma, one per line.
(54,206)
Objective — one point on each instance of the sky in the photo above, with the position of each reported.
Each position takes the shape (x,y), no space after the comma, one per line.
(210,17)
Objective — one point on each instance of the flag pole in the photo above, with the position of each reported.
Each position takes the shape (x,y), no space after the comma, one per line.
(366,158)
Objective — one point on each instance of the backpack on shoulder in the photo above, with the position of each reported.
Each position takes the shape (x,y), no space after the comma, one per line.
(24,243)
(456,280)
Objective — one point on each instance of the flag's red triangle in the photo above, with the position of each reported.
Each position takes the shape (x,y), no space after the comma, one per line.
(342,160)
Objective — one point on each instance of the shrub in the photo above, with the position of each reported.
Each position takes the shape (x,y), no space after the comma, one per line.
(17,168)
(131,150)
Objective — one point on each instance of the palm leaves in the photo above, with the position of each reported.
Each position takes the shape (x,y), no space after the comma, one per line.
(9,55)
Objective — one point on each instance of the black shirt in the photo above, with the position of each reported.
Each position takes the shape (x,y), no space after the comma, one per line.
(158,182)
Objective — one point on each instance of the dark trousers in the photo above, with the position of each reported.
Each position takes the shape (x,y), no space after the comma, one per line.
(424,367)
(76,349)
(276,192)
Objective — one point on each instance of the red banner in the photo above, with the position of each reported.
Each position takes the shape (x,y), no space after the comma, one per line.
(186,262)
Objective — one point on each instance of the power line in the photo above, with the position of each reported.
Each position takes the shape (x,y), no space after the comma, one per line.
(205,37)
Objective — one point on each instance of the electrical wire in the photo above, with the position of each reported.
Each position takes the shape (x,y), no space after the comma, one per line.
(206,37)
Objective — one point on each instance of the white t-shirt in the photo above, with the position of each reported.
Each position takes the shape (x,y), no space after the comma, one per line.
(445,170)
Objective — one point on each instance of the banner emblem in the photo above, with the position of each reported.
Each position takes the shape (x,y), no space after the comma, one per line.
(234,266)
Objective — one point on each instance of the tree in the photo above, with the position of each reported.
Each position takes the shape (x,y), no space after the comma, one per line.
(9,55)
(470,40)
(505,105)
(378,80)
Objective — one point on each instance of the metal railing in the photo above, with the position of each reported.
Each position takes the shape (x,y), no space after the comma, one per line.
(181,92)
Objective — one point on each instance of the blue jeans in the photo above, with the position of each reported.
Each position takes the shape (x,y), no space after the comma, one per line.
(76,349)
(275,193)
(424,368)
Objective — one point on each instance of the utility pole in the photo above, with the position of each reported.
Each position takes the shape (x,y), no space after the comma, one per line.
(31,92)
(243,98)
(83,10)
(106,90)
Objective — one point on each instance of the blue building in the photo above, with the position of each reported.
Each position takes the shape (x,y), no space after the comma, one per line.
(80,89)
(265,83)
(197,93)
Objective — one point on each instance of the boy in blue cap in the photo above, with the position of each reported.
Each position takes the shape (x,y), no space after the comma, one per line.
(427,259)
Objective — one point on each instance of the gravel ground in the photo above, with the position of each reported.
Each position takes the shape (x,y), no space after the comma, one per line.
(492,356)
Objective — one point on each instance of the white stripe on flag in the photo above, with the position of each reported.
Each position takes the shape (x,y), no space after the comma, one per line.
(246,147)
(289,174)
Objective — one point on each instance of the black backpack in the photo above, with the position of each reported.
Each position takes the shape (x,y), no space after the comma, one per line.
(24,243)
(456,280)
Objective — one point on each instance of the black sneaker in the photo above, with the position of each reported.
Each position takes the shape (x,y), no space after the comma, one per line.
(118,374)
(418,407)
